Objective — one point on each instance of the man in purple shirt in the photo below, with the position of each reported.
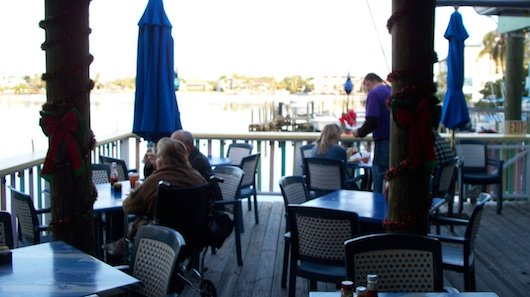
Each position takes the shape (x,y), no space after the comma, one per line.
(377,122)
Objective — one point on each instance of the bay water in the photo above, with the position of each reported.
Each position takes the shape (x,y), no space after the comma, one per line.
(112,114)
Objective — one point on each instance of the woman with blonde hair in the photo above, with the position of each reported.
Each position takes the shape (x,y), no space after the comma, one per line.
(327,144)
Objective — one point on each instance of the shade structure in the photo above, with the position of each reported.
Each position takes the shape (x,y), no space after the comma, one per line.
(455,113)
(156,112)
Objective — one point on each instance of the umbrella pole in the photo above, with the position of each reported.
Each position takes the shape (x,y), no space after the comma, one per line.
(453,140)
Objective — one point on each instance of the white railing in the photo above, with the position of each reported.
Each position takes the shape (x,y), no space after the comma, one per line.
(279,156)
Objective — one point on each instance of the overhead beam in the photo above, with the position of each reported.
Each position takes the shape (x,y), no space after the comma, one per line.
(486,3)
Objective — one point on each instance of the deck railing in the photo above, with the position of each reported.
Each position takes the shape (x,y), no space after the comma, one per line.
(279,156)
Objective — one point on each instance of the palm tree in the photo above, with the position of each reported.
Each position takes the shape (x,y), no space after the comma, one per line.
(495,47)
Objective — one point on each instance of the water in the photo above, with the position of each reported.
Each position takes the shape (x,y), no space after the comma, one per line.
(112,113)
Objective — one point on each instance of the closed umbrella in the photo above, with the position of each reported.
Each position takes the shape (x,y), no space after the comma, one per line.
(455,113)
(156,112)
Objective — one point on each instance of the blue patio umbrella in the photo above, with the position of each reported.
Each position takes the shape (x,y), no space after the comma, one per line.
(455,113)
(156,112)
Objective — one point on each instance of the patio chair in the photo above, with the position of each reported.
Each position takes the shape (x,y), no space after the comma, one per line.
(123,171)
(317,244)
(294,191)
(443,186)
(30,230)
(230,183)
(238,150)
(305,150)
(6,230)
(478,169)
(154,259)
(100,173)
(403,262)
(187,211)
(323,175)
(249,164)
(458,253)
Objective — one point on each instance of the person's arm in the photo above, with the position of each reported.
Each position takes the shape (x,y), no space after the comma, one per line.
(369,126)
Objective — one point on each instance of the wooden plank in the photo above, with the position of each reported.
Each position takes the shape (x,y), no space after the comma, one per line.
(502,263)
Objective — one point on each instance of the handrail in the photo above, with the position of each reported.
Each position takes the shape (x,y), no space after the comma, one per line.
(279,157)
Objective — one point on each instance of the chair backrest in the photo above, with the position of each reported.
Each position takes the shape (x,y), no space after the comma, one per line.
(238,150)
(123,172)
(185,210)
(306,150)
(324,175)
(100,173)
(318,234)
(474,223)
(6,230)
(444,180)
(473,154)
(294,190)
(232,177)
(403,262)
(154,258)
(27,219)
(249,164)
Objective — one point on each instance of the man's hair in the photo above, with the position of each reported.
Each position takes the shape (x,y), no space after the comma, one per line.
(373,77)
(183,136)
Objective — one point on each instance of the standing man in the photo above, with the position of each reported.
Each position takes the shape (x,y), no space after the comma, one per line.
(377,122)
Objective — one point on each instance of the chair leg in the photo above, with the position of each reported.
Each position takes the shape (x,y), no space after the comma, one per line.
(255,208)
(238,235)
(249,203)
(286,251)
(499,199)
(292,278)
(469,279)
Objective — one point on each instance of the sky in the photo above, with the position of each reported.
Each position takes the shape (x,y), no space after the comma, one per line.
(249,37)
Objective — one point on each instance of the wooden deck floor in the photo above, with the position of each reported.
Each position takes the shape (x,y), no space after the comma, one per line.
(502,249)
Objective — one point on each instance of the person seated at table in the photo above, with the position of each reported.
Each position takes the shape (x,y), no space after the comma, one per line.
(172,165)
(327,146)
(197,159)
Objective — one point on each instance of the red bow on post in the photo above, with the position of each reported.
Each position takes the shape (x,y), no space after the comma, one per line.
(59,131)
(421,137)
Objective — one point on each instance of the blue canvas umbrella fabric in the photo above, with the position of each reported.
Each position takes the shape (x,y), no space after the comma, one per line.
(156,112)
(455,113)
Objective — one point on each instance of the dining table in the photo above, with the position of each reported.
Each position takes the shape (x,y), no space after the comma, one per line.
(413,294)
(57,269)
(110,221)
(219,161)
(371,207)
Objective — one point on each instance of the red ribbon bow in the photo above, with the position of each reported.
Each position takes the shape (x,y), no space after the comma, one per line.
(59,131)
(421,137)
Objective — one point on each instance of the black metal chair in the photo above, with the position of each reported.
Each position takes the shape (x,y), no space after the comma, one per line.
(250,164)
(231,178)
(459,252)
(123,171)
(317,244)
(478,169)
(238,150)
(403,262)
(6,230)
(294,191)
(30,230)
(100,173)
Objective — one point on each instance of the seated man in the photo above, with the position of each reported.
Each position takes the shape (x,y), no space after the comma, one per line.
(197,160)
